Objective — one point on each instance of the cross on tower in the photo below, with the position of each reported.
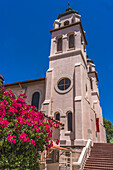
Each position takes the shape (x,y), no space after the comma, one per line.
(69,5)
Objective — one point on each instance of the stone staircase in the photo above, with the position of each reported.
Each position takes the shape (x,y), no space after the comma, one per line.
(101,157)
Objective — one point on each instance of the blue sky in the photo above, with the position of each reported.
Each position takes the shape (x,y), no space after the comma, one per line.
(25,40)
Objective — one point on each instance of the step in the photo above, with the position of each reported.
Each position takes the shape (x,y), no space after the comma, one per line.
(100,162)
(101,157)
(96,158)
(99,165)
(93,168)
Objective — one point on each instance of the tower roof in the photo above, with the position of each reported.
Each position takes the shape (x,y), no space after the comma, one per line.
(67,12)
(89,60)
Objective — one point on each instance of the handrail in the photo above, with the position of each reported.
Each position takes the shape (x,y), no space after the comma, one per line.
(83,156)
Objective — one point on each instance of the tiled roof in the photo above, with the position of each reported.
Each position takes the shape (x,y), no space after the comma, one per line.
(23,82)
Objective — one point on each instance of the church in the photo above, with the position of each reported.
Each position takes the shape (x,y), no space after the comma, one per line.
(69,92)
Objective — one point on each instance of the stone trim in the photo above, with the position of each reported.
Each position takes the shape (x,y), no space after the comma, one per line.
(64,36)
(57,110)
(46,102)
(95,102)
(69,52)
(78,98)
(87,99)
(57,55)
(50,69)
(67,110)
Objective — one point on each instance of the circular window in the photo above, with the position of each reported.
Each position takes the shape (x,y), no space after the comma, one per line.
(64,84)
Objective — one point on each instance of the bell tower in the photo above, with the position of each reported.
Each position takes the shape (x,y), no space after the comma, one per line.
(66,79)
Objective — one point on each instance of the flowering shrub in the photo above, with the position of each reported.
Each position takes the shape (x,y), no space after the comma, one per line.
(24,132)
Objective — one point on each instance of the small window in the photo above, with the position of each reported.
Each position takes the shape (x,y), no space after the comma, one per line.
(84,48)
(64,84)
(73,20)
(71,41)
(90,69)
(35,100)
(97,125)
(69,116)
(81,40)
(91,84)
(66,23)
(59,44)
(57,116)
(86,87)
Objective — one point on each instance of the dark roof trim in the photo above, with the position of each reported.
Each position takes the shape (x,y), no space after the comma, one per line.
(79,22)
(24,82)
(68,11)
(89,60)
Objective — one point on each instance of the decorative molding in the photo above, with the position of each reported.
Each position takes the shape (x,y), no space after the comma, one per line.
(57,110)
(95,93)
(68,132)
(67,110)
(77,64)
(54,39)
(65,53)
(86,98)
(69,52)
(95,102)
(46,102)
(78,98)
(64,36)
(50,69)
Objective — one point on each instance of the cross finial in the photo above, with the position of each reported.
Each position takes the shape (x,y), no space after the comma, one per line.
(69,4)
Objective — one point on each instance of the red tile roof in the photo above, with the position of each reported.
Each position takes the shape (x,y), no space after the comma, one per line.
(23,82)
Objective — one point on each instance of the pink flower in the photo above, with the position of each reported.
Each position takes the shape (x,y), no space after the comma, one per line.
(32,142)
(57,141)
(4,123)
(10,137)
(13,141)
(9,133)
(47,140)
(3,88)
(23,137)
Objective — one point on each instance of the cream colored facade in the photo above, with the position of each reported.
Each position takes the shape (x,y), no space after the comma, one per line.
(81,98)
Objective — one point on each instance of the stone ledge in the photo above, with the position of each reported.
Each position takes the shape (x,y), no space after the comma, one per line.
(78,98)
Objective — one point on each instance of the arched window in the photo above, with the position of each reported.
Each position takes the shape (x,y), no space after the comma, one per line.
(59,44)
(69,118)
(66,23)
(57,116)
(35,99)
(71,41)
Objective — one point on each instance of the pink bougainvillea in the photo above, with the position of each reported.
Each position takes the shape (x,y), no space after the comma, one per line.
(23,123)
